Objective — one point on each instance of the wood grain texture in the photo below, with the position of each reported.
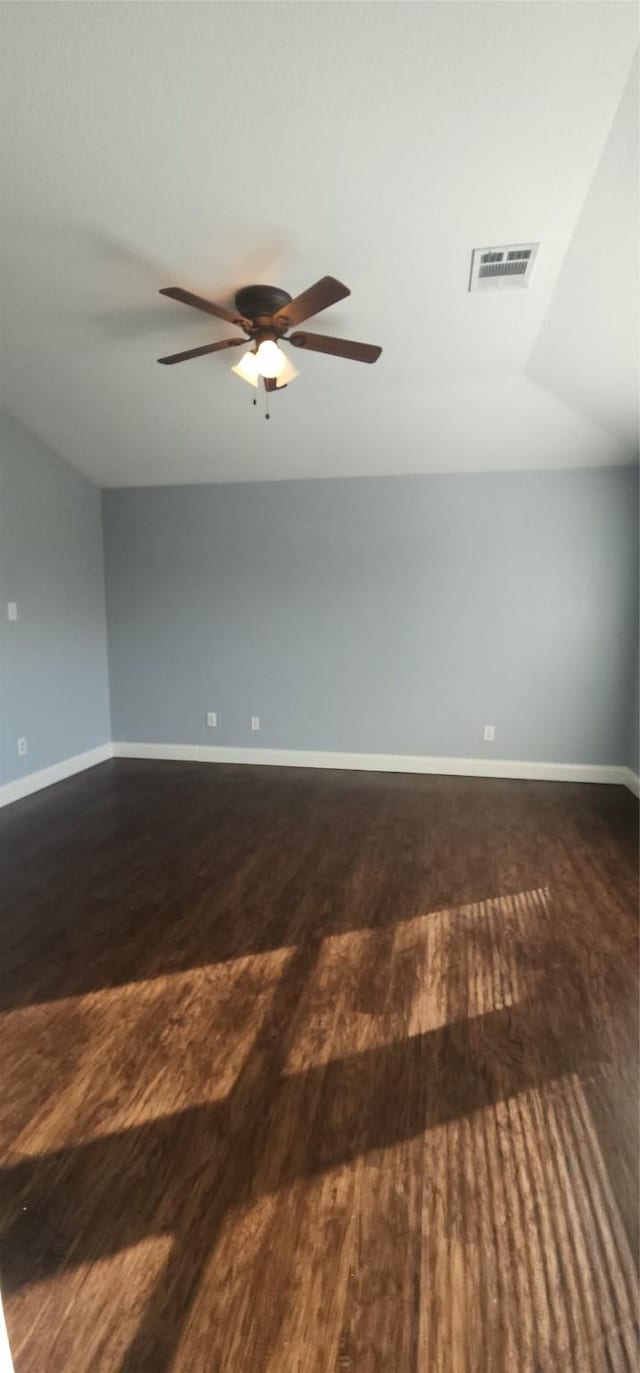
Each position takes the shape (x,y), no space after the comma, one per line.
(307,1072)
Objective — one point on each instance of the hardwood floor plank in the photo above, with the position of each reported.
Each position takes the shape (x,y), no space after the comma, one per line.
(318,1071)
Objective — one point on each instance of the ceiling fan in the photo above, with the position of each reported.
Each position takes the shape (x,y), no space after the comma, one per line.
(266,314)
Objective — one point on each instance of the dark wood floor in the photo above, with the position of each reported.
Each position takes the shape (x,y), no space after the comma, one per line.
(305,1072)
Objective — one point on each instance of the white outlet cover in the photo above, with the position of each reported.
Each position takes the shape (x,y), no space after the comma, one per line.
(212,719)
(255,722)
(489,734)
(22,747)
(12,610)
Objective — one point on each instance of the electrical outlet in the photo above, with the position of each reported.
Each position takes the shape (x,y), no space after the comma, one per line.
(212,719)
(22,747)
(489,734)
(12,610)
(255,722)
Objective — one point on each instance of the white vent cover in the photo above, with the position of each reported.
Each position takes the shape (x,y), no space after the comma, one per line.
(502,269)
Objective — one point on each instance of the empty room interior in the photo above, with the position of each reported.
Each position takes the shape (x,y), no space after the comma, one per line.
(319,686)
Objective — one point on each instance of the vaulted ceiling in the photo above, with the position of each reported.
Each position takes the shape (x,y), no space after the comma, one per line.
(216,144)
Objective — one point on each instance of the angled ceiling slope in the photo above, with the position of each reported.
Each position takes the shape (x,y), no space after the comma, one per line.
(588,349)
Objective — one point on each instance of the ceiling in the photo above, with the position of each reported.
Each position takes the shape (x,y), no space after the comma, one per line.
(212,145)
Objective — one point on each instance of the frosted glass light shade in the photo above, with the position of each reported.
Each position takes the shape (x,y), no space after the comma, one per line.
(247,368)
(270,359)
(288,373)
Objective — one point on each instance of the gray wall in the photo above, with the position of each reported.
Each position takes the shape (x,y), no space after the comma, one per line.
(633,750)
(384,615)
(53,660)
(633,756)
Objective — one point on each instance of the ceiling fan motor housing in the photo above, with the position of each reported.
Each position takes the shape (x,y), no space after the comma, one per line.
(259,303)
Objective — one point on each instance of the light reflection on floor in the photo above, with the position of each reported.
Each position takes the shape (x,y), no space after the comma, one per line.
(506,1211)
(110,1085)
(112,1292)
(373,986)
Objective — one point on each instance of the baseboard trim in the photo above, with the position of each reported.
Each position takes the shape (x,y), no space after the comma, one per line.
(58,772)
(632,781)
(378,762)
(517,769)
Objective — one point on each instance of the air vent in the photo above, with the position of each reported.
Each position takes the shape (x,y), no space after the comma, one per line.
(502,269)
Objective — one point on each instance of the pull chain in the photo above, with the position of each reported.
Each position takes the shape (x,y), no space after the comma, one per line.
(266,403)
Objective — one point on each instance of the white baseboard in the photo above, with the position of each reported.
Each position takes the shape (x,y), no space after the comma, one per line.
(46,777)
(379,762)
(305,758)
(632,781)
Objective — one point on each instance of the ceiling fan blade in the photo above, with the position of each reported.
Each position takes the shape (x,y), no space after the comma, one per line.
(208,348)
(323,293)
(337,347)
(199,303)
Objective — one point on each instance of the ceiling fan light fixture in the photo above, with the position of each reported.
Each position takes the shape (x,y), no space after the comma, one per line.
(267,314)
(247,368)
(270,359)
